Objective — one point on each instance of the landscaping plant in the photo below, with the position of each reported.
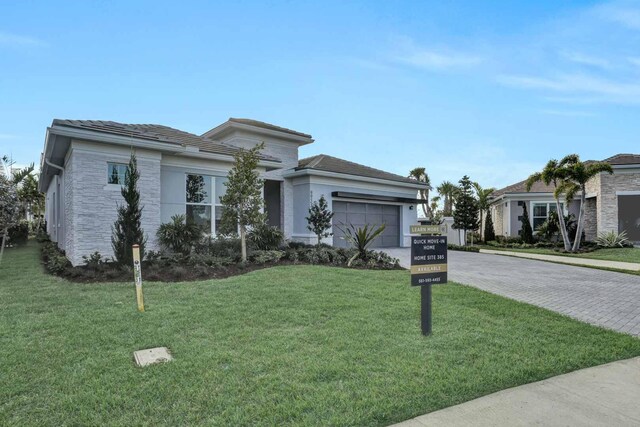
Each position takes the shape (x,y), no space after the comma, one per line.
(180,235)
(465,216)
(483,196)
(611,239)
(319,219)
(526,231)
(265,237)
(361,238)
(489,231)
(127,229)
(243,202)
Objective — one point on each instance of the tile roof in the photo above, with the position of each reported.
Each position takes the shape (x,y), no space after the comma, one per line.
(269,126)
(541,187)
(624,159)
(333,164)
(521,187)
(156,133)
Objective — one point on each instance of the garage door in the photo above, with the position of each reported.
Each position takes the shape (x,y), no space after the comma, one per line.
(360,214)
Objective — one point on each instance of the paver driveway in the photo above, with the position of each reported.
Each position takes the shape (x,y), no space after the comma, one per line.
(599,297)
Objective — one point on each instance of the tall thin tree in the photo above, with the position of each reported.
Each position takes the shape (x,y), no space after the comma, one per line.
(127,229)
(465,216)
(483,196)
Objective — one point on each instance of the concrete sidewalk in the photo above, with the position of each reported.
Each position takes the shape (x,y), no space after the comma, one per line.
(598,396)
(585,262)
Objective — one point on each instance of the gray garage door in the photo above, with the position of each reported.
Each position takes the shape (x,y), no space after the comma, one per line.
(360,214)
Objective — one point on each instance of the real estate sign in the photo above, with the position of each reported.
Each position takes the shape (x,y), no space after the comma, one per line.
(428,229)
(428,260)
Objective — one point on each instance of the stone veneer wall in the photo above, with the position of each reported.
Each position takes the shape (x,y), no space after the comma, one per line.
(590,219)
(608,200)
(91,203)
(497,218)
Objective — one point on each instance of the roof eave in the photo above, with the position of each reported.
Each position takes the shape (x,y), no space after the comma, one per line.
(302,172)
(228,126)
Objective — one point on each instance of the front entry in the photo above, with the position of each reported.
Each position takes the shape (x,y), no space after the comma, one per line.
(360,214)
(273,202)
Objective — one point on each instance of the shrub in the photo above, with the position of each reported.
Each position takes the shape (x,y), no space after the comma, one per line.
(220,247)
(611,239)
(265,237)
(94,260)
(54,259)
(19,234)
(179,235)
(264,257)
(216,262)
(453,247)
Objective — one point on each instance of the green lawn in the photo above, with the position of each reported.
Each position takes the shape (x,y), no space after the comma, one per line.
(298,345)
(609,254)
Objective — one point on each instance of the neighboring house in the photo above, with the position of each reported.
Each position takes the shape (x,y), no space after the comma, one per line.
(612,202)
(84,162)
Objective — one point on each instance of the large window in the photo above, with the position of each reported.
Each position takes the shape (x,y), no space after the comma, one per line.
(540,213)
(116,173)
(203,195)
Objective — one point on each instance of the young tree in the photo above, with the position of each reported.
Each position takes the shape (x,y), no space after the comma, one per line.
(9,209)
(319,219)
(465,216)
(127,229)
(420,175)
(576,174)
(526,232)
(489,232)
(551,174)
(243,201)
(484,196)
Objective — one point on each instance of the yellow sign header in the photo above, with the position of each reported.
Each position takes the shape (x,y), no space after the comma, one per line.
(428,229)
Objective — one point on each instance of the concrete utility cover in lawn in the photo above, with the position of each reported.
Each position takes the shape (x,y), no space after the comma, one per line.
(151,356)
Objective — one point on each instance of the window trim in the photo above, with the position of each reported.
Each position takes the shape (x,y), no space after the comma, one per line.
(214,197)
(108,175)
(548,203)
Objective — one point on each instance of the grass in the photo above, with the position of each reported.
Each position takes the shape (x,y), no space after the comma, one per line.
(296,345)
(609,254)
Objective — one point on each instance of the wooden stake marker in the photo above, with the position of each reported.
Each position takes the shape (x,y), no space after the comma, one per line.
(137,276)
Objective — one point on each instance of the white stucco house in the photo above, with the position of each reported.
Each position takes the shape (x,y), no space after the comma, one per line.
(83,163)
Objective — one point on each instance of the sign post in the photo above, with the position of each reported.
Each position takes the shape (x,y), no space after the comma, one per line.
(137,275)
(428,267)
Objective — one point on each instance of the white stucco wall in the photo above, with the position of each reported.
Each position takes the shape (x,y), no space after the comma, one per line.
(308,189)
(286,151)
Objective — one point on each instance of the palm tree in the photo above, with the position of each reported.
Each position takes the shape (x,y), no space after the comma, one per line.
(420,175)
(551,174)
(448,191)
(576,174)
(483,195)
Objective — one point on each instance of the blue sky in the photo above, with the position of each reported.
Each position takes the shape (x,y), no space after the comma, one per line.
(490,89)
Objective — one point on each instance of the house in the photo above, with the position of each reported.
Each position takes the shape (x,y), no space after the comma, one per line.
(612,202)
(84,161)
